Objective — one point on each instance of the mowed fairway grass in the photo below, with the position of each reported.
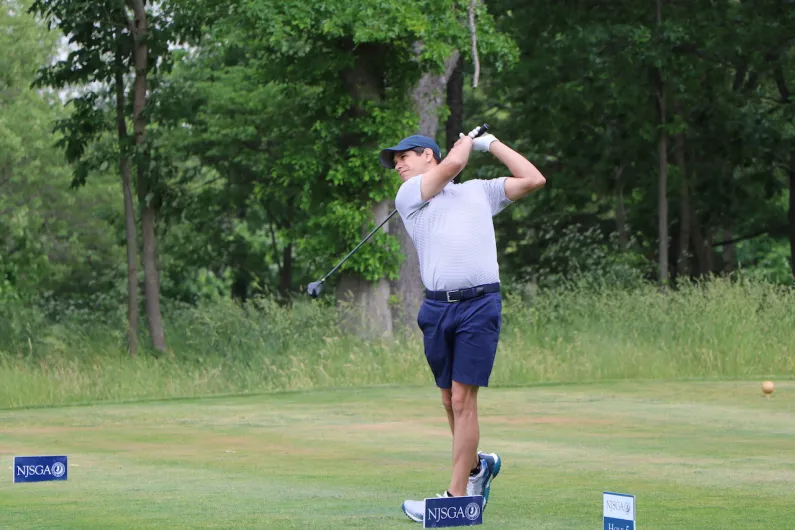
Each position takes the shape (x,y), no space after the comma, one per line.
(698,455)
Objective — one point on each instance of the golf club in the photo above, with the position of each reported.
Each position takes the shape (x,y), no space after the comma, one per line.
(315,288)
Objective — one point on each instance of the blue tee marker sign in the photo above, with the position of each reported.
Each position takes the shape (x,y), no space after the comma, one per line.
(442,512)
(618,511)
(40,468)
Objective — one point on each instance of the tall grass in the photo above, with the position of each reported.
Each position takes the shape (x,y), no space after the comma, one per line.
(713,329)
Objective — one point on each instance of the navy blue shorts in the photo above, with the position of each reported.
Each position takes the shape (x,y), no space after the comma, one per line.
(461,338)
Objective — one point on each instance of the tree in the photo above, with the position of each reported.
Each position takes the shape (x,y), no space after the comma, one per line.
(662,187)
(125,171)
(108,43)
(140,31)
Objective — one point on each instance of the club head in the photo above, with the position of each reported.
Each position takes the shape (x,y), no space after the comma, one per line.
(314,289)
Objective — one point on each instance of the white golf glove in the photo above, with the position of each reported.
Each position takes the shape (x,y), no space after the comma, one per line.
(481,143)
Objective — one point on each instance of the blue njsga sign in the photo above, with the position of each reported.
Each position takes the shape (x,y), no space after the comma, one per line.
(441,512)
(40,468)
(618,524)
(618,511)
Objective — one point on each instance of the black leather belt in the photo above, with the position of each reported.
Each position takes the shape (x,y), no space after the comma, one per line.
(462,294)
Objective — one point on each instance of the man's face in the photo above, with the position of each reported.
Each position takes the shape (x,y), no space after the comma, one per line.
(409,164)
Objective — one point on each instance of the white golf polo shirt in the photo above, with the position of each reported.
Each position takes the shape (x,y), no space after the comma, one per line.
(453,232)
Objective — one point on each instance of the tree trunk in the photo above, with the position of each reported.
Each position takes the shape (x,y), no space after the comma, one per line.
(786,98)
(239,258)
(621,220)
(364,305)
(286,273)
(428,97)
(151,277)
(662,207)
(455,104)
(129,212)
(683,254)
(662,183)
(408,288)
(702,250)
(791,213)
(709,258)
(729,253)
(286,270)
(621,210)
(151,280)
(241,283)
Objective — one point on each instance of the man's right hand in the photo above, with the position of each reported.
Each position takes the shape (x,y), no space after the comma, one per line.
(462,137)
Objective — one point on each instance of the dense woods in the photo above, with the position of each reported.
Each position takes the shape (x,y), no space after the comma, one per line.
(190,150)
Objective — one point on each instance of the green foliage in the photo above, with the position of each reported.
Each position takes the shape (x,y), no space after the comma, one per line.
(583,257)
(51,240)
(26,46)
(582,103)
(265,119)
(765,258)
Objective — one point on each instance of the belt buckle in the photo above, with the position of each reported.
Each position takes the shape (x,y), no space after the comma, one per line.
(447,293)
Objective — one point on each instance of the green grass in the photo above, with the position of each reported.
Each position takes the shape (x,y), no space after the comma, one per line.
(717,329)
(707,455)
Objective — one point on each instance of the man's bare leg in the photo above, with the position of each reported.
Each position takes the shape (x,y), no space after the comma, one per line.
(447,401)
(466,435)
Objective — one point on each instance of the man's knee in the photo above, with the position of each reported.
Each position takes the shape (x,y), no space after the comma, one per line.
(447,399)
(463,398)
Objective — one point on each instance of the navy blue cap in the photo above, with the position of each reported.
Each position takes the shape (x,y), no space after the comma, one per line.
(387,155)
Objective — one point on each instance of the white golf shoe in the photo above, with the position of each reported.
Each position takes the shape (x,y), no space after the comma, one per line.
(480,484)
(415,510)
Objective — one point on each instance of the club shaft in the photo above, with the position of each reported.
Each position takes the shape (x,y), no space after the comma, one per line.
(359,245)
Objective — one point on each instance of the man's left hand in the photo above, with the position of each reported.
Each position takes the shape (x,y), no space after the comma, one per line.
(483,143)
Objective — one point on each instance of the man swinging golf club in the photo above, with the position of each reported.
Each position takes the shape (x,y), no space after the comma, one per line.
(452,229)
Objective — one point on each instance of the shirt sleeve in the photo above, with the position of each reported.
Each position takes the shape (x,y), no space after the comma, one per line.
(495,192)
(409,197)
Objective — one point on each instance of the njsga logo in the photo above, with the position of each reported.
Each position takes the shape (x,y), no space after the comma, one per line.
(472,511)
(618,506)
(57,470)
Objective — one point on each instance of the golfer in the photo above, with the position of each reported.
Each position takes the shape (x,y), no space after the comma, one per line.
(452,229)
